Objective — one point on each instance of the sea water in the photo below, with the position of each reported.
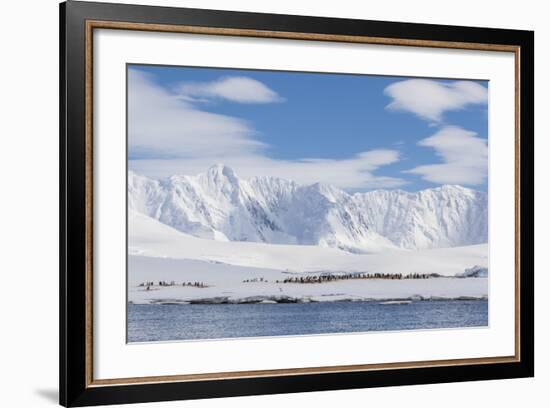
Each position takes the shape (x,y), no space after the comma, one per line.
(156,322)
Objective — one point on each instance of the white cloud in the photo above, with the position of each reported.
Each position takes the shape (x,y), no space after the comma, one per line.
(354,173)
(431,99)
(167,136)
(236,89)
(164,125)
(464,157)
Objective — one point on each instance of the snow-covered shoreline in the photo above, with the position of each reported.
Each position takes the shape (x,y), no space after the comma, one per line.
(224,284)
(225,300)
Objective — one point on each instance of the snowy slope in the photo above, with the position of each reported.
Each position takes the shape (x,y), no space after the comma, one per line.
(218,205)
(151,238)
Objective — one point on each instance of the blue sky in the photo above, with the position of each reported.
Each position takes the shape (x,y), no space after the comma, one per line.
(358,132)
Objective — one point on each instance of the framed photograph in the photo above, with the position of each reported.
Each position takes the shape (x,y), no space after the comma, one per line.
(257,204)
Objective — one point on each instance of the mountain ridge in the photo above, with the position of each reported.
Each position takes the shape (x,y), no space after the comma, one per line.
(218,205)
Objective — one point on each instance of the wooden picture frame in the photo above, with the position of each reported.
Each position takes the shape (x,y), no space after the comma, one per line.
(78,20)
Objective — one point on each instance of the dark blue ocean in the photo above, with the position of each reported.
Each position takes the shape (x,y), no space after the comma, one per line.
(185,322)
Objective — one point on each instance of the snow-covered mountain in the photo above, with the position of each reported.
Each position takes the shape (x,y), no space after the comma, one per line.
(219,205)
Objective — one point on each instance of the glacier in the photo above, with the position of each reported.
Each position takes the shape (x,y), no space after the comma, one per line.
(220,206)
